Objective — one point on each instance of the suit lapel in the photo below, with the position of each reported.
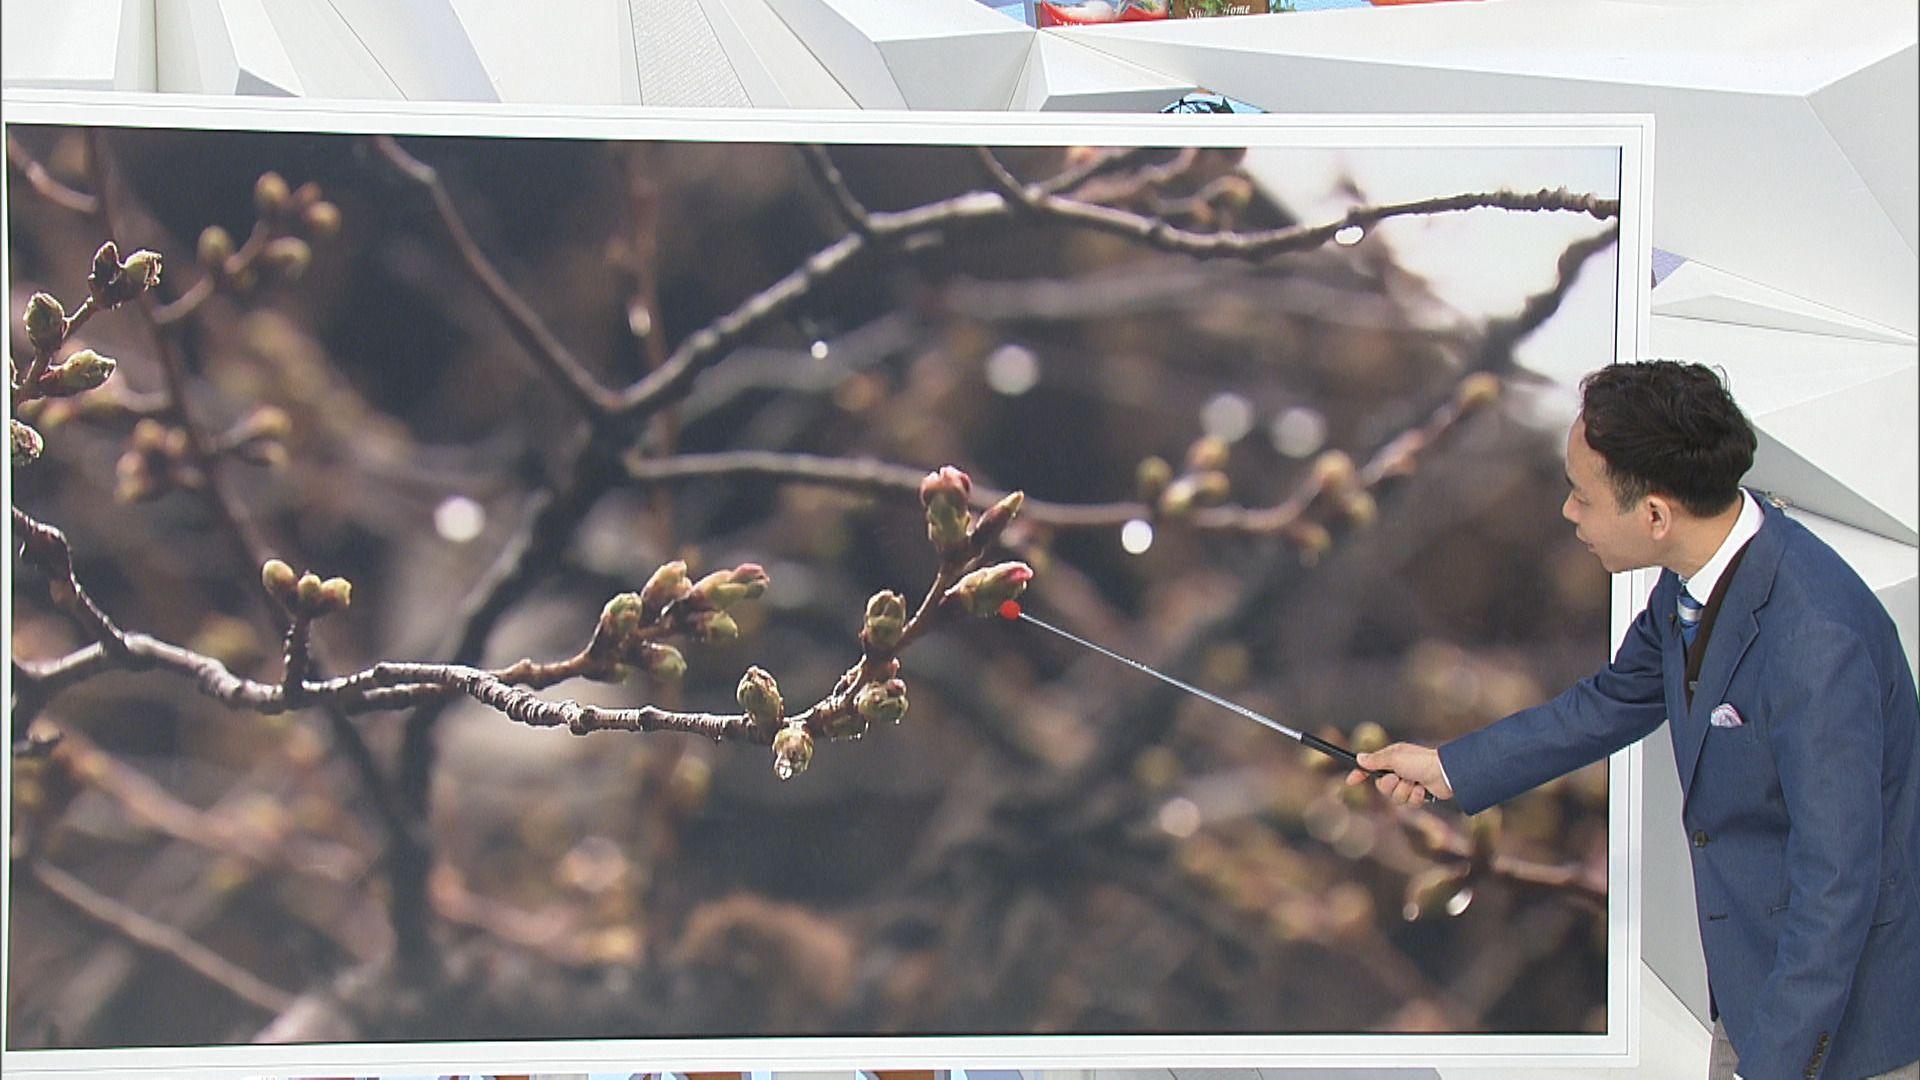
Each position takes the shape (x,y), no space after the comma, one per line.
(1737,624)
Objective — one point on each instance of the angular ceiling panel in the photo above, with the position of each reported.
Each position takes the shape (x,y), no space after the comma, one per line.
(930,54)
(1859,110)
(1065,75)
(1697,291)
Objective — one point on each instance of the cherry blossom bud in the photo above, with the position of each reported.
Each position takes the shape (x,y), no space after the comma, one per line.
(792,751)
(1207,454)
(886,619)
(286,257)
(663,663)
(143,269)
(882,703)
(619,618)
(336,594)
(84,370)
(1359,508)
(214,249)
(759,696)
(715,627)
(27,444)
(279,580)
(322,220)
(724,588)
(46,323)
(668,584)
(306,592)
(986,531)
(983,591)
(270,194)
(946,484)
(1332,471)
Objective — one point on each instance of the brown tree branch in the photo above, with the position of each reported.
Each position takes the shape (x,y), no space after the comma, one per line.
(553,357)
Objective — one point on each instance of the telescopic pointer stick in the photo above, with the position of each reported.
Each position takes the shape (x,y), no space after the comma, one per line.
(1011,611)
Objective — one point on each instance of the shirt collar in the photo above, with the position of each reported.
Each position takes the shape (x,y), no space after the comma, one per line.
(1700,586)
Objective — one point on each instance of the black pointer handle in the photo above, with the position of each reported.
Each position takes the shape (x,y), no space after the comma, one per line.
(1342,754)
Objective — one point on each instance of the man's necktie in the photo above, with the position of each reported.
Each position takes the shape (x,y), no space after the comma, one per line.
(1690,611)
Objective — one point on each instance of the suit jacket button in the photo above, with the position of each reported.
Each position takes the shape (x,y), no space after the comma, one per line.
(1700,838)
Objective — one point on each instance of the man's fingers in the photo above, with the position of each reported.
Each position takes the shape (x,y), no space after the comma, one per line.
(1357,776)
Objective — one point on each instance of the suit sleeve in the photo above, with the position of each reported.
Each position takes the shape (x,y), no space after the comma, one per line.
(1596,716)
(1827,734)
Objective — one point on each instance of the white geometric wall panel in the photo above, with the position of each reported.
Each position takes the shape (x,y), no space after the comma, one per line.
(78,45)
(1062,75)
(922,54)
(1836,416)
(775,67)
(1775,159)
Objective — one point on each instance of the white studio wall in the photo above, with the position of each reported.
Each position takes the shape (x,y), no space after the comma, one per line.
(1785,214)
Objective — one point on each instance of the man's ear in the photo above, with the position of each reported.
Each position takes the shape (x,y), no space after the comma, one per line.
(1659,516)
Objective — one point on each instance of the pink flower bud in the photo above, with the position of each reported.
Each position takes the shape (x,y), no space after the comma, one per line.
(946,484)
(986,531)
(983,591)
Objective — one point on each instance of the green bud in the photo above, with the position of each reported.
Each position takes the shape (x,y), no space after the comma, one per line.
(759,695)
(983,591)
(663,663)
(668,584)
(27,444)
(886,619)
(215,248)
(947,523)
(270,194)
(715,627)
(279,580)
(307,592)
(46,323)
(792,751)
(84,370)
(336,594)
(620,618)
(882,703)
(286,257)
(143,269)
(724,588)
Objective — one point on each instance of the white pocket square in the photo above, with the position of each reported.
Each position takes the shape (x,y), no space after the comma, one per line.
(1725,715)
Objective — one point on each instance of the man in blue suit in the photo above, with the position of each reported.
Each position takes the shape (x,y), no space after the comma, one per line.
(1793,716)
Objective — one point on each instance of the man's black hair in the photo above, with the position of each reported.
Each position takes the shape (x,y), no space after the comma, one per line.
(1669,428)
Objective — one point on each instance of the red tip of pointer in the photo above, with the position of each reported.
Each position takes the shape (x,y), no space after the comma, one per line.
(1010,610)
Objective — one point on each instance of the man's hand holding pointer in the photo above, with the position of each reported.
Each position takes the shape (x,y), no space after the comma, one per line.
(1411,772)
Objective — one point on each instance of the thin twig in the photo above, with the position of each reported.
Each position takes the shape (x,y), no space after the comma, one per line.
(160,938)
(552,355)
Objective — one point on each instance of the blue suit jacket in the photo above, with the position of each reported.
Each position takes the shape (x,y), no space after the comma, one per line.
(1803,822)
